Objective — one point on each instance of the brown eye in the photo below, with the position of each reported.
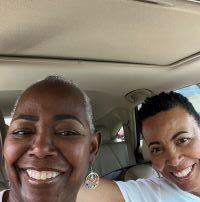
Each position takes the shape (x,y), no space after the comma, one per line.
(156,150)
(66,133)
(21,133)
(182,141)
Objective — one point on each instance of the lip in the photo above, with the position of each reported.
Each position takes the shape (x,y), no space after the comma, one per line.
(42,175)
(42,169)
(41,183)
(189,175)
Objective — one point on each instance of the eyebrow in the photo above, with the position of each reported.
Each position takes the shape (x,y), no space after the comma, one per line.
(177,134)
(152,143)
(60,117)
(174,137)
(26,117)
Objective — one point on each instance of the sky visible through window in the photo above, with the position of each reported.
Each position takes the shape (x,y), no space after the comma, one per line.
(193,94)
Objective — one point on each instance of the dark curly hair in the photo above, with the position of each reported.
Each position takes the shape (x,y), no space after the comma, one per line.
(163,102)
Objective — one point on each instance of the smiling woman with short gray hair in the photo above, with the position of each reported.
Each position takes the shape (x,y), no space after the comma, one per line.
(50,144)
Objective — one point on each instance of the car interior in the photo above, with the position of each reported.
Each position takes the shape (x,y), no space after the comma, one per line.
(118,51)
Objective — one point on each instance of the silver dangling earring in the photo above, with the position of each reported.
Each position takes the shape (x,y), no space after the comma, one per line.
(92,180)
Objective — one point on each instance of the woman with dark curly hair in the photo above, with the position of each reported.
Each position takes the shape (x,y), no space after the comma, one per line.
(171,128)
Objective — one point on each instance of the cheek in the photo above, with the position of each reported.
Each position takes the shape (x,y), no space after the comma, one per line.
(158,163)
(76,153)
(194,150)
(13,150)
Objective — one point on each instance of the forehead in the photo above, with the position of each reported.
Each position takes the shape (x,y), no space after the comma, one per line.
(52,96)
(167,123)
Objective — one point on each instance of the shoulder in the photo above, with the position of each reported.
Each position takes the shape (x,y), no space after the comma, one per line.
(149,182)
(154,189)
(2,193)
(106,191)
(134,190)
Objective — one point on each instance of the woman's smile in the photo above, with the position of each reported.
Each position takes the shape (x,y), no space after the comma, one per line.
(173,137)
(49,144)
(42,175)
(183,173)
(43,178)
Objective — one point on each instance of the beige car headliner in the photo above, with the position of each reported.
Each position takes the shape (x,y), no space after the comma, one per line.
(108,47)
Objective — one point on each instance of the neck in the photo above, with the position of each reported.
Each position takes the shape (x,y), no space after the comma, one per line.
(9,197)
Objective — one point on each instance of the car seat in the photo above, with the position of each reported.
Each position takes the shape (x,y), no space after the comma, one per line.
(3,177)
(144,170)
(112,156)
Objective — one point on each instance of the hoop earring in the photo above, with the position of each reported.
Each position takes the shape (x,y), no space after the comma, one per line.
(92,179)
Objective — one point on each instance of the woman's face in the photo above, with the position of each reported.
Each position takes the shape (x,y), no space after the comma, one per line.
(173,138)
(49,145)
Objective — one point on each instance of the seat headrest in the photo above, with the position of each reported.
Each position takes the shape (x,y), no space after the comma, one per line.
(3,130)
(106,137)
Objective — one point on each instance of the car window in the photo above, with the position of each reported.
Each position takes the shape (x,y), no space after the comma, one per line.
(193,94)
(7,120)
(119,137)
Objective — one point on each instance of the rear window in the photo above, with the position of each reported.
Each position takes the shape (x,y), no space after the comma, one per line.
(119,136)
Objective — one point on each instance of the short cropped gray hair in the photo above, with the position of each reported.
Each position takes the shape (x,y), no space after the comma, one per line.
(61,80)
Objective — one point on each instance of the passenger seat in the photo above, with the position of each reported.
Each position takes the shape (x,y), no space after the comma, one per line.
(144,170)
(112,156)
(3,177)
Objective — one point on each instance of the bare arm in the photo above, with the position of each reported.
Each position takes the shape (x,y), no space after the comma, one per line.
(106,191)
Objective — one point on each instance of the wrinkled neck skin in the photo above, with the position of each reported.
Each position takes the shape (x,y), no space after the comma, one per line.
(12,197)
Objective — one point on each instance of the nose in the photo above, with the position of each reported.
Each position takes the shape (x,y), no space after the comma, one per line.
(174,157)
(42,145)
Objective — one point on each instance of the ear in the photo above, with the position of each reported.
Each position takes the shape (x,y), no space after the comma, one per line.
(95,145)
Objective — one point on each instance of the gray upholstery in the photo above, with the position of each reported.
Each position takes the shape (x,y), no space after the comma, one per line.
(3,178)
(112,155)
(106,136)
(143,170)
(140,171)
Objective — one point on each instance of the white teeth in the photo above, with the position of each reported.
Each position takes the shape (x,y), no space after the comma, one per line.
(42,175)
(183,173)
